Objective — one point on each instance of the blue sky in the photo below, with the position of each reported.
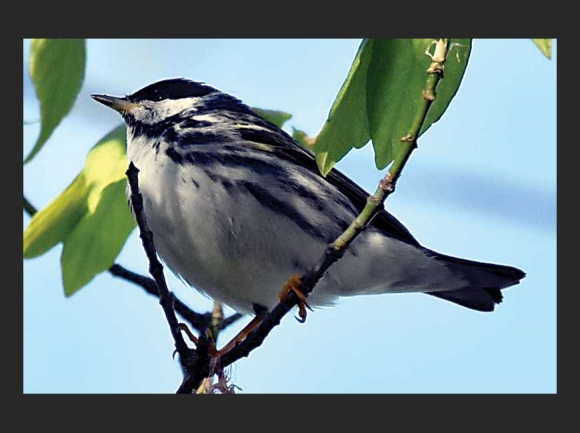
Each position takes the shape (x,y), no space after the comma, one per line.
(482,185)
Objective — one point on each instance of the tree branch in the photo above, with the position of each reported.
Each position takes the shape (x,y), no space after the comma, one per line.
(194,362)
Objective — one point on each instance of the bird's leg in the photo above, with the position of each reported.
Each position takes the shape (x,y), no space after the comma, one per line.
(241,335)
(293,285)
(214,352)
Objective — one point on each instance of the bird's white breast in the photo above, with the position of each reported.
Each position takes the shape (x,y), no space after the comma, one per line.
(223,243)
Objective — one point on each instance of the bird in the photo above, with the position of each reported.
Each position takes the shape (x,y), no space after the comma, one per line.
(237,206)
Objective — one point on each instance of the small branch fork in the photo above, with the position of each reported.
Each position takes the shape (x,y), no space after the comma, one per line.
(199,321)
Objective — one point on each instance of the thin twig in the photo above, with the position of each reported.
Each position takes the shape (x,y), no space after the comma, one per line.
(197,320)
(193,361)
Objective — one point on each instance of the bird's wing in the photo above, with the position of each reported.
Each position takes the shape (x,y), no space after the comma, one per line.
(288,148)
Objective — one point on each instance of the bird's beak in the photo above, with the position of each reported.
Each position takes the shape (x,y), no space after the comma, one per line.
(122,105)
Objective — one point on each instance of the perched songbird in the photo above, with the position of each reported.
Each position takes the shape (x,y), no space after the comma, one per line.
(237,207)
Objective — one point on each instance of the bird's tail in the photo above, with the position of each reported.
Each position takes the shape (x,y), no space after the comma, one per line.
(485,282)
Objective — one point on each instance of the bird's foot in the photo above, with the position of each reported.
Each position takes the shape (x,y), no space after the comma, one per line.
(293,285)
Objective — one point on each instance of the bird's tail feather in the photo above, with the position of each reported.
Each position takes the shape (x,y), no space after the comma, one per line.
(485,282)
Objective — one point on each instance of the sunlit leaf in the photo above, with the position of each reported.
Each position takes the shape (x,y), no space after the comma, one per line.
(97,239)
(57,68)
(52,224)
(91,217)
(347,124)
(545,46)
(106,163)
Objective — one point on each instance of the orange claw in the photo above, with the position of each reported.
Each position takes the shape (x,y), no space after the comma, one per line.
(293,285)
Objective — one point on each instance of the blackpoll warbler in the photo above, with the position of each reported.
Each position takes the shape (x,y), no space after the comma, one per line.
(236,207)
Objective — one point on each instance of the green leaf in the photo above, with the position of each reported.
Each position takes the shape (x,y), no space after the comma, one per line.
(97,239)
(545,46)
(278,118)
(347,124)
(91,217)
(57,68)
(106,163)
(395,82)
(52,224)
